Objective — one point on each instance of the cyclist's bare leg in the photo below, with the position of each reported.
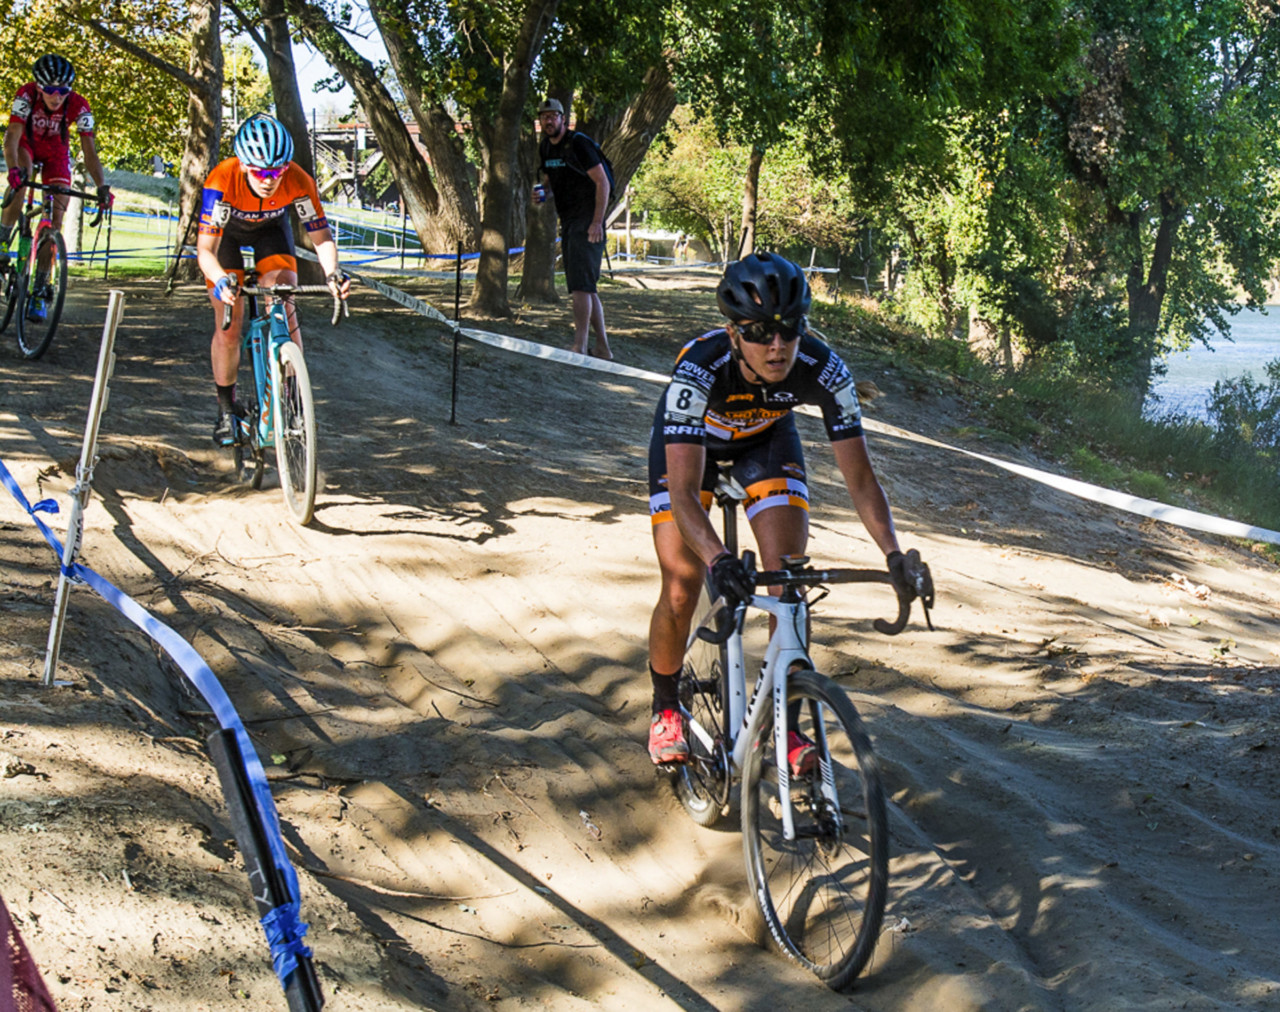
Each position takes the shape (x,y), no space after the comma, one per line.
(59,209)
(284,276)
(9,215)
(682,576)
(224,350)
(780,531)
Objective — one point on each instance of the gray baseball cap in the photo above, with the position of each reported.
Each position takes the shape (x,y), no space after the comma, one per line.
(551,105)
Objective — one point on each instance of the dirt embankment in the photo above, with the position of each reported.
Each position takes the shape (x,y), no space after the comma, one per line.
(447,670)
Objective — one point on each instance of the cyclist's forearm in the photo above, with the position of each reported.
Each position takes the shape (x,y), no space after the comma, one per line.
(327,254)
(92,163)
(12,139)
(695,527)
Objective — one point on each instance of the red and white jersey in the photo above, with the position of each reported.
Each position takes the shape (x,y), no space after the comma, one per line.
(43,127)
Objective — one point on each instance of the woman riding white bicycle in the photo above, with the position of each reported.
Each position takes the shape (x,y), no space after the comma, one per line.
(731,397)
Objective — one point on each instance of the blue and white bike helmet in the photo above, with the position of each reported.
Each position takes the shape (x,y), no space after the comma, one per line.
(262,142)
(53,71)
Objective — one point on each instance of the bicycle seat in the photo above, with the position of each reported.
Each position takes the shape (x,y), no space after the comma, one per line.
(727,486)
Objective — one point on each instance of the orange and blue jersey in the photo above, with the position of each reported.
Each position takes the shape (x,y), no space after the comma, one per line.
(229,203)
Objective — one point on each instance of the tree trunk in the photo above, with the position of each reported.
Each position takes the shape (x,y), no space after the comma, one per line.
(750,201)
(277,50)
(537,271)
(489,297)
(627,142)
(204,125)
(413,177)
(437,131)
(1146,295)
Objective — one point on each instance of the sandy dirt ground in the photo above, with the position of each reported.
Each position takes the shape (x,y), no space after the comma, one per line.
(445,676)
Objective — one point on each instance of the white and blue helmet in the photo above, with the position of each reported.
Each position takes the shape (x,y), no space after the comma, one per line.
(262,142)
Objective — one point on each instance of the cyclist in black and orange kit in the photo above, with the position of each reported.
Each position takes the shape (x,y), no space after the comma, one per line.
(246,203)
(731,398)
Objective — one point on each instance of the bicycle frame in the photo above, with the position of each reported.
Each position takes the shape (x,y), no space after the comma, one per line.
(262,336)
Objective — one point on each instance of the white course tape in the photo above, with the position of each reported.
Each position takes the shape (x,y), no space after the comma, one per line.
(1094,493)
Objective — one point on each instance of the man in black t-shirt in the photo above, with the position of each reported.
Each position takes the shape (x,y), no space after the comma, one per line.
(574,175)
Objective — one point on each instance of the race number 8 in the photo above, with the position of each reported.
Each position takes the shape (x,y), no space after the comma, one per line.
(686,403)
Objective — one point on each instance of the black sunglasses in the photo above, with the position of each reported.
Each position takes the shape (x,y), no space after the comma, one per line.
(762,331)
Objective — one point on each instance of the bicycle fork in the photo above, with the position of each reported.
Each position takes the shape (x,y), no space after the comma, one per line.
(788,652)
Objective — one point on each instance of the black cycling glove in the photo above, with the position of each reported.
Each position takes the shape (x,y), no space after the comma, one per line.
(731,579)
(899,572)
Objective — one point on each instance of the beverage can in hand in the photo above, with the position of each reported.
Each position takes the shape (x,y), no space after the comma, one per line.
(539,193)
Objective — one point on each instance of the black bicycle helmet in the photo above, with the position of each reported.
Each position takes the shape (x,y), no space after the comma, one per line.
(262,142)
(53,71)
(763,286)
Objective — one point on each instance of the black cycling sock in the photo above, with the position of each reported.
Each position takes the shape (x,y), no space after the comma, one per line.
(226,397)
(666,691)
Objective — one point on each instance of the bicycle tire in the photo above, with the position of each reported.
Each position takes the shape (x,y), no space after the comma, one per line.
(8,295)
(704,783)
(35,336)
(295,425)
(250,465)
(822,894)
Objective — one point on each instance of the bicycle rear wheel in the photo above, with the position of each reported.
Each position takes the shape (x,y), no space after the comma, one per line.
(822,894)
(35,335)
(703,783)
(295,425)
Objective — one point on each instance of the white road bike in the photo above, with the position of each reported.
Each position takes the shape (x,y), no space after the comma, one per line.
(814,834)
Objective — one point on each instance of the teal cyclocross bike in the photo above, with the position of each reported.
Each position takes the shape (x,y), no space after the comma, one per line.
(283,412)
(33,283)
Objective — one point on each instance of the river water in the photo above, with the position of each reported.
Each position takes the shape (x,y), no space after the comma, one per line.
(1185,388)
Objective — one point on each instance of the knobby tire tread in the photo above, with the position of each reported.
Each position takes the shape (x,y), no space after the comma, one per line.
(295,425)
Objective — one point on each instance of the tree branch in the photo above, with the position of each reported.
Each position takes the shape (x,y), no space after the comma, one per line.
(249,27)
(120,42)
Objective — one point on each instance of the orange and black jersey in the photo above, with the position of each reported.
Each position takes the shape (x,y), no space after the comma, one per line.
(229,203)
(709,400)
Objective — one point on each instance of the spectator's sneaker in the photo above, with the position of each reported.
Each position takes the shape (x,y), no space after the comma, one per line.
(802,755)
(666,739)
(36,310)
(224,429)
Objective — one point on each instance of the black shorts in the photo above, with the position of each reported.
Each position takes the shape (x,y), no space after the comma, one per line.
(271,242)
(581,257)
(770,468)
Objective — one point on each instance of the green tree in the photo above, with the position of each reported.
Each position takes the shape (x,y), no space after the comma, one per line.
(1170,133)
(134,123)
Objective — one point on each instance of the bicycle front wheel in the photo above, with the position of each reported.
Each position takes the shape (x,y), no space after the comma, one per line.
(295,425)
(40,295)
(703,783)
(8,295)
(822,893)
